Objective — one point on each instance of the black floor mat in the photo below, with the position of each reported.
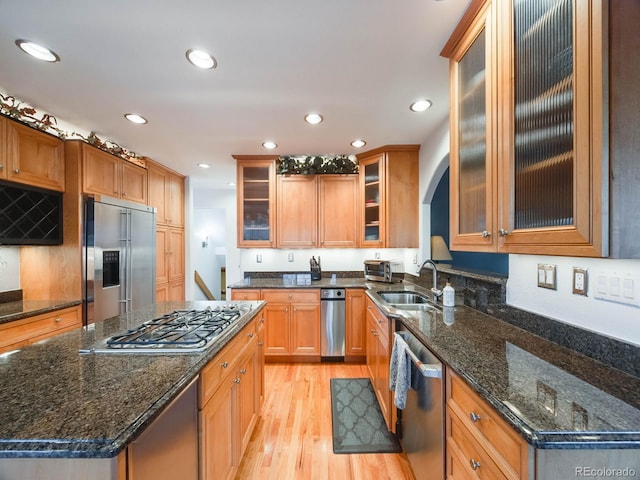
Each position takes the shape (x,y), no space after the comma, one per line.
(358,424)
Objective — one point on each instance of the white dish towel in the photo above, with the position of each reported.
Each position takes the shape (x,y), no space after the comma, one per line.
(399,371)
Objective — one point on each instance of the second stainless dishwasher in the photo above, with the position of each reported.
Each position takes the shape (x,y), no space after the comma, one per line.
(332,322)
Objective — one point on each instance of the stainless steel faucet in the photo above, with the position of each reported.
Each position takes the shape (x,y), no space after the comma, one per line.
(436,293)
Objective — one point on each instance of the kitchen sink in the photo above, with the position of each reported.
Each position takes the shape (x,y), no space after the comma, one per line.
(407,300)
(402,298)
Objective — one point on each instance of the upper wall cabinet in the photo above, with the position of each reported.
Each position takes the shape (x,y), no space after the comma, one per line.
(106,174)
(166,194)
(532,141)
(317,211)
(389,199)
(256,184)
(31,157)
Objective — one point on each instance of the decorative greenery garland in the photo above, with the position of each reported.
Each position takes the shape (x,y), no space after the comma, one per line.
(13,108)
(317,164)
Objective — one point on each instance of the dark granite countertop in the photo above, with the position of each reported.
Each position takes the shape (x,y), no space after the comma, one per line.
(12,311)
(55,402)
(553,396)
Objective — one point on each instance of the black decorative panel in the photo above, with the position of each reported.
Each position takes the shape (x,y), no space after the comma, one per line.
(29,215)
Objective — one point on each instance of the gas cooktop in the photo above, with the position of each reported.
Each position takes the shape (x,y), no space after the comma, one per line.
(181,331)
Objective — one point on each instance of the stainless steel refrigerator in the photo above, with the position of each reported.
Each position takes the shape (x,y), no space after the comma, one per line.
(119,255)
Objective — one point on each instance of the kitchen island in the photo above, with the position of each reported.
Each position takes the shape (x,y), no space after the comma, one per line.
(59,404)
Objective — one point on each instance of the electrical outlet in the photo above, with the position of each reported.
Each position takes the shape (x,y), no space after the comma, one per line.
(377,255)
(580,281)
(258,258)
(415,258)
(547,276)
(290,257)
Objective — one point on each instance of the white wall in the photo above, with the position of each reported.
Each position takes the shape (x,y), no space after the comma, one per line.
(602,316)
(9,269)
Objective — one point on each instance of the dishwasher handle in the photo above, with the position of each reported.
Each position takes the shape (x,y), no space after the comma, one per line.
(430,370)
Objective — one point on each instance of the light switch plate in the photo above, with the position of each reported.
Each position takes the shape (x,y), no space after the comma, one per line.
(547,276)
(580,281)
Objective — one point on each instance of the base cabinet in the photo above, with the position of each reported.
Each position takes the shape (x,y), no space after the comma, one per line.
(479,444)
(356,326)
(292,324)
(230,389)
(30,330)
(378,356)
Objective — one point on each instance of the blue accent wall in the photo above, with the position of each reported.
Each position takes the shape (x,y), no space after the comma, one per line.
(486,262)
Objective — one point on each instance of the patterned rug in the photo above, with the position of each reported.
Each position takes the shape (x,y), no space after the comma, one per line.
(358,424)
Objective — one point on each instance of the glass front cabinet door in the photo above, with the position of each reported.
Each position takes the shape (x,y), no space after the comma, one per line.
(527,157)
(256,200)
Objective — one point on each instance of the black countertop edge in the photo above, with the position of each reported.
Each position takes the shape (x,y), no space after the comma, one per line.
(12,311)
(109,448)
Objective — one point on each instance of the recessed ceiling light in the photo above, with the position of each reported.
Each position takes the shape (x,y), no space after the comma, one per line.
(204,165)
(38,51)
(358,143)
(420,105)
(313,118)
(201,59)
(135,118)
(269,145)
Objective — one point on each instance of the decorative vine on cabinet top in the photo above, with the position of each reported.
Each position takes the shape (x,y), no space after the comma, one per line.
(389,200)
(30,156)
(541,159)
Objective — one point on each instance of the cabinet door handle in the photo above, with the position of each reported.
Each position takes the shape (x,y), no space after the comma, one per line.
(237,380)
(224,364)
(503,233)
(474,417)
(17,170)
(474,464)
(58,319)
(250,335)
(1,166)
(260,343)
(486,234)
(243,371)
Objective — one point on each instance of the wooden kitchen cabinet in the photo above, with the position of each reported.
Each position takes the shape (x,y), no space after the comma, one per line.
(166,194)
(30,156)
(106,174)
(540,157)
(479,444)
(356,325)
(297,211)
(32,329)
(256,197)
(292,324)
(378,357)
(317,211)
(229,390)
(245,294)
(389,197)
(170,273)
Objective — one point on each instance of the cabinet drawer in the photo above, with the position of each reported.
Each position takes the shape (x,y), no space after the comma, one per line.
(465,453)
(291,296)
(380,321)
(225,362)
(485,424)
(242,294)
(32,329)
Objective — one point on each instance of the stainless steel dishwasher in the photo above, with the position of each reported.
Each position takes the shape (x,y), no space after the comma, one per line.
(421,423)
(332,321)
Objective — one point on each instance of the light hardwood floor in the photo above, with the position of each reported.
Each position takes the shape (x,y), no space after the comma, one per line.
(292,439)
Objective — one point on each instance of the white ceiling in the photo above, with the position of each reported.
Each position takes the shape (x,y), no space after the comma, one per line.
(359,63)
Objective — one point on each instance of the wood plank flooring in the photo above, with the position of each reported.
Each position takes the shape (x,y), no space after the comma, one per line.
(292,439)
